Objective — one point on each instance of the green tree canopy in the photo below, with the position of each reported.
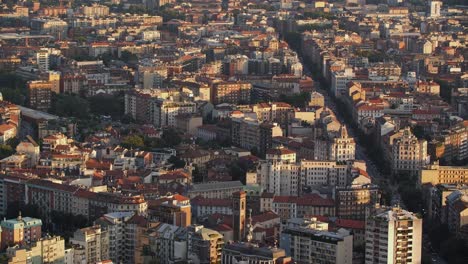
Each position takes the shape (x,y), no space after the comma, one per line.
(133,141)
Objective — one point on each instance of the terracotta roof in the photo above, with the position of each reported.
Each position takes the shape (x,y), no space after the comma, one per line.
(279,151)
(314,200)
(174,175)
(99,165)
(212,202)
(222,227)
(285,199)
(348,223)
(266,216)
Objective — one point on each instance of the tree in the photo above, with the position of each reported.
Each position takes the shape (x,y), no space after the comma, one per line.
(176,162)
(70,106)
(133,141)
(297,100)
(104,104)
(6,151)
(171,137)
(30,210)
(128,57)
(13,88)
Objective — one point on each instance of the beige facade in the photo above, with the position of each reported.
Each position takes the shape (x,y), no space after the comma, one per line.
(409,154)
(436,174)
(95,242)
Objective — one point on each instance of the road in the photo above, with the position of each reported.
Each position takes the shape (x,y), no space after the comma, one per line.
(361,153)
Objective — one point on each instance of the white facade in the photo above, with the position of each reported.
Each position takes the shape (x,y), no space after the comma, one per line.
(42,59)
(393,235)
(307,241)
(339,80)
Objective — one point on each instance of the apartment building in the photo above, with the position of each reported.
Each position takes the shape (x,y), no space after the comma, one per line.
(457,212)
(409,154)
(309,241)
(46,250)
(231,92)
(42,60)
(50,196)
(40,95)
(339,81)
(437,174)
(251,134)
(20,230)
(165,111)
(167,244)
(175,210)
(125,230)
(455,142)
(357,200)
(253,254)
(204,245)
(437,202)
(95,10)
(282,177)
(95,242)
(393,235)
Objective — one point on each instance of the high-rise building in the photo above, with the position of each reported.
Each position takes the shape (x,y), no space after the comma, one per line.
(239,204)
(95,242)
(309,241)
(393,235)
(125,230)
(434,8)
(54,79)
(42,60)
(40,94)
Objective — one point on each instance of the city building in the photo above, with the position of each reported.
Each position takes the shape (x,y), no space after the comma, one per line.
(204,245)
(358,200)
(437,174)
(20,230)
(393,235)
(174,210)
(409,154)
(231,92)
(215,190)
(46,250)
(95,242)
(42,60)
(165,111)
(40,95)
(307,240)
(457,212)
(251,134)
(251,253)
(166,243)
